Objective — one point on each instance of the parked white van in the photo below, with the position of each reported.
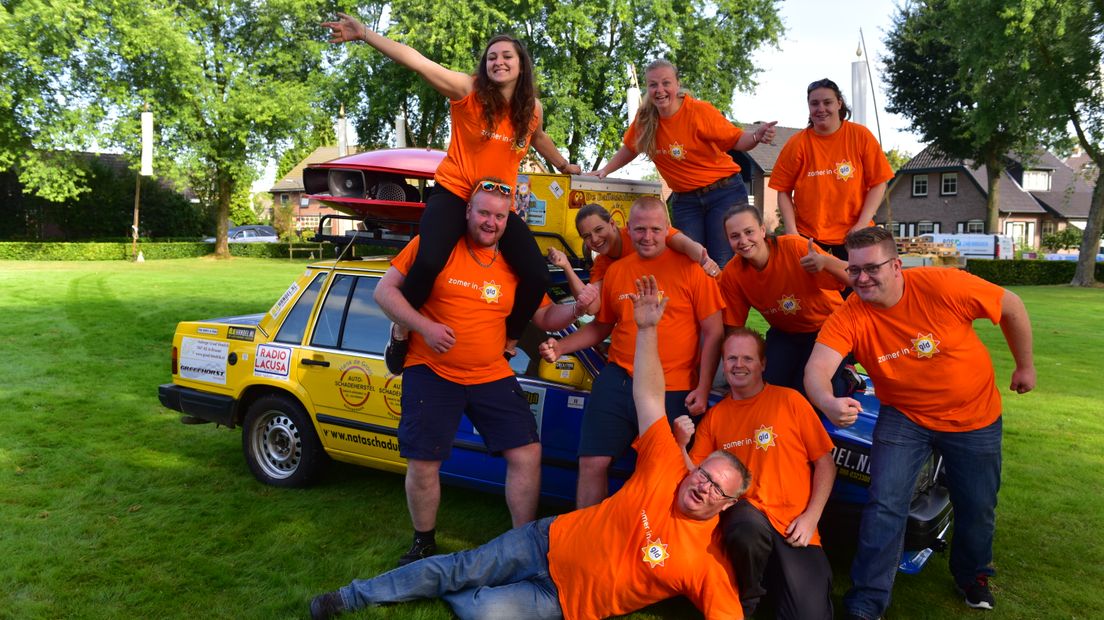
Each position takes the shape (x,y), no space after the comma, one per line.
(976,245)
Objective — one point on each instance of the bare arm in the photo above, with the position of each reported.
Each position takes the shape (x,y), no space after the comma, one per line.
(623,156)
(683,244)
(1016,327)
(591,334)
(818,387)
(800,531)
(547,148)
(452,84)
(786,210)
(815,262)
(388,295)
(870,206)
(763,134)
(712,327)
(683,428)
(648,383)
(558,316)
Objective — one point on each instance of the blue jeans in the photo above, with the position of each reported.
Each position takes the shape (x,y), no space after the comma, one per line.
(506,578)
(973,462)
(701,217)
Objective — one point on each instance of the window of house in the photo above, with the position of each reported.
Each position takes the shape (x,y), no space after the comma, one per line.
(975,227)
(1036,180)
(919,185)
(1048,227)
(906,229)
(926,227)
(283,199)
(949,186)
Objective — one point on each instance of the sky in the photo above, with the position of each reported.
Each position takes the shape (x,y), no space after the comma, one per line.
(820,41)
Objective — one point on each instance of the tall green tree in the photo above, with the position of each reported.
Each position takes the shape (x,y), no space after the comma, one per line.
(945,75)
(582,53)
(1062,42)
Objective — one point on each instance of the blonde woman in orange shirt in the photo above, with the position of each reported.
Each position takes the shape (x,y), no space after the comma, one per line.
(495,117)
(688,140)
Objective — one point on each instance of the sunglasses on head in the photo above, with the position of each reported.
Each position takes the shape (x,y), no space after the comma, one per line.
(491,186)
(825,83)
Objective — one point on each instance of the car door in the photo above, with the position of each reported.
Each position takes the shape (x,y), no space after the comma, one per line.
(341,367)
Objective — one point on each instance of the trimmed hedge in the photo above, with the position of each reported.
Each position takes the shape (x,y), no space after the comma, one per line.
(1027,272)
(152,251)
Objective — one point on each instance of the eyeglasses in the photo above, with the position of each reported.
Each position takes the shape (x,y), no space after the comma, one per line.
(870,270)
(825,83)
(490,186)
(713,486)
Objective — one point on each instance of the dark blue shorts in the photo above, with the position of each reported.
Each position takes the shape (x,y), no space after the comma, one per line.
(432,406)
(609,421)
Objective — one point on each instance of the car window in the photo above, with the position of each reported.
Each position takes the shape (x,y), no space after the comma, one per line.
(295,324)
(366,326)
(327,329)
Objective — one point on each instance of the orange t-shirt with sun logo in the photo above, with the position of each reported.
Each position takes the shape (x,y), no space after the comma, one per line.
(923,354)
(636,548)
(474,301)
(692,297)
(475,153)
(692,145)
(789,298)
(776,434)
(829,177)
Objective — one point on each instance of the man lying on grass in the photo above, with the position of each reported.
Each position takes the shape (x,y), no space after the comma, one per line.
(654,539)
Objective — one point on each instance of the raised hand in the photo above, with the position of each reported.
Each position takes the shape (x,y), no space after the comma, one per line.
(647,304)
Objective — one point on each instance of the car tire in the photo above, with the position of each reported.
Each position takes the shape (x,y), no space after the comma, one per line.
(280,443)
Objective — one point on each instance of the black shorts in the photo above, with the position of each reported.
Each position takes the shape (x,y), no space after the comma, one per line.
(432,406)
(609,421)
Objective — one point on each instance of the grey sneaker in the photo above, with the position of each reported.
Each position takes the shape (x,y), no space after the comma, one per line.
(977,593)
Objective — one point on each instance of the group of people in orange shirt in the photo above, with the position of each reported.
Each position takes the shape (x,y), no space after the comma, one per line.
(725,509)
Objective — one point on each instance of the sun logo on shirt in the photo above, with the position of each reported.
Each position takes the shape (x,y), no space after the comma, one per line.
(844,170)
(490,292)
(677,151)
(764,437)
(655,553)
(925,345)
(789,304)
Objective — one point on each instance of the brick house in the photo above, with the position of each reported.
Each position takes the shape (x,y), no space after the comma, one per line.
(1039,194)
(289,191)
(756,166)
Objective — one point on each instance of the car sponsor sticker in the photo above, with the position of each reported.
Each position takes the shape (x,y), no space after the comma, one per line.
(354,384)
(241,333)
(272,361)
(392,395)
(203,360)
(535,396)
(278,307)
(210,331)
(575,402)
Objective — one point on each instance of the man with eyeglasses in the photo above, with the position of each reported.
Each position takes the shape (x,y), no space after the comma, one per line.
(771,534)
(692,332)
(655,538)
(913,333)
(455,366)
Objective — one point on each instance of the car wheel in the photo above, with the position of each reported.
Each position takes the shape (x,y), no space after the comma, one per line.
(280,444)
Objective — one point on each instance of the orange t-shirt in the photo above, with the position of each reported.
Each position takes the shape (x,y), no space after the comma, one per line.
(776,434)
(636,548)
(473,154)
(693,297)
(829,177)
(692,145)
(602,262)
(474,301)
(789,298)
(923,354)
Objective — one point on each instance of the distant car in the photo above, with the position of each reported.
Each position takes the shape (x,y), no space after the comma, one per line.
(252,233)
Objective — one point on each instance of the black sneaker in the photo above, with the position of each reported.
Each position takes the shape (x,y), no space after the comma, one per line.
(977,593)
(417,552)
(326,606)
(395,354)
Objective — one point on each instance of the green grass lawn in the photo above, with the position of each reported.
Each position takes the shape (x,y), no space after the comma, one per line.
(110,508)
